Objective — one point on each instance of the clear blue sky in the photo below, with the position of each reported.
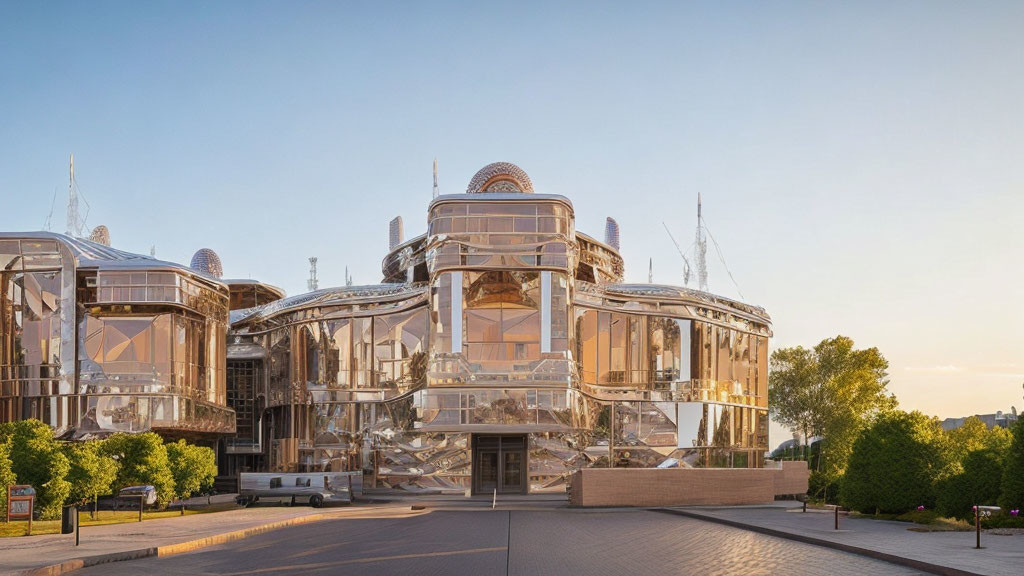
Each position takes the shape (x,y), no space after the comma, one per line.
(860,164)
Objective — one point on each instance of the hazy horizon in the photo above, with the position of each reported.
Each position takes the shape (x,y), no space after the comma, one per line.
(859,164)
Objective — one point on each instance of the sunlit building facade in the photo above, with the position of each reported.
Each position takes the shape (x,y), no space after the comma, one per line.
(501,352)
(95,340)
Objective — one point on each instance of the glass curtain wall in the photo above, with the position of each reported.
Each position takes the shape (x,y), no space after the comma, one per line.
(386,352)
(162,353)
(653,352)
(31,278)
(316,425)
(502,320)
(30,324)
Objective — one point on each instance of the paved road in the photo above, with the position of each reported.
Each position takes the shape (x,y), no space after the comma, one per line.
(522,543)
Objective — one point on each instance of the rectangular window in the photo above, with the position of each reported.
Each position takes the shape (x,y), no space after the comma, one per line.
(725,350)
(362,352)
(604,330)
(559,312)
(339,348)
(587,344)
(503,317)
(617,368)
(762,371)
(456,303)
(545,311)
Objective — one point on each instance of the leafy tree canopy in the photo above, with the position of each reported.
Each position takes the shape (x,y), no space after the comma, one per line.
(978,484)
(831,391)
(895,464)
(974,435)
(1012,490)
(6,475)
(37,459)
(92,473)
(142,459)
(193,467)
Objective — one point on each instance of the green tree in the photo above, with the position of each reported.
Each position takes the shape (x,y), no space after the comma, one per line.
(37,459)
(977,484)
(832,391)
(895,464)
(974,435)
(1012,490)
(194,467)
(7,476)
(92,472)
(142,459)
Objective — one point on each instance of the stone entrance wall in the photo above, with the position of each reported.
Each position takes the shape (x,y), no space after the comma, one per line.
(687,486)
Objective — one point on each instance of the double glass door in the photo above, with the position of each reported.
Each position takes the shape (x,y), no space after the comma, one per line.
(499,463)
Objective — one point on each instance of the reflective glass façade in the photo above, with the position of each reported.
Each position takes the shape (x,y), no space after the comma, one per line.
(500,321)
(92,351)
(520,337)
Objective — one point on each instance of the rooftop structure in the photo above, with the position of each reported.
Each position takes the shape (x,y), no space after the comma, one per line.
(207,262)
(1000,419)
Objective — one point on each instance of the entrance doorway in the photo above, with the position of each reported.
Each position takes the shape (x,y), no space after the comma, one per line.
(499,463)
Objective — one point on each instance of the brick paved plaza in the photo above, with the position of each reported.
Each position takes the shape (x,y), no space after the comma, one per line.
(521,542)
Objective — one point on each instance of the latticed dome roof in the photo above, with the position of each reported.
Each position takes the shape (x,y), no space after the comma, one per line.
(206,260)
(100,235)
(500,177)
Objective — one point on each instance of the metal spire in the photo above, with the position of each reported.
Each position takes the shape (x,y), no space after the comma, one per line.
(701,251)
(313,283)
(435,178)
(74,227)
(650,271)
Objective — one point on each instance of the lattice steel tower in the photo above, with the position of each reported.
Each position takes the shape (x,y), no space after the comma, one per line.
(312,284)
(76,222)
(700,250)
(435,178)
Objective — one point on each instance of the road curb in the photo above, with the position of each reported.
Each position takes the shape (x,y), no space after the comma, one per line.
(170,549)
(891,558)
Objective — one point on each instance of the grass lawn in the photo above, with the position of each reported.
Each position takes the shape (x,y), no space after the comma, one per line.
(102,517)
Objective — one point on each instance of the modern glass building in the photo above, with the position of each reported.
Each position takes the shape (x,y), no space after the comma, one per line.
(502,352)
(95,340)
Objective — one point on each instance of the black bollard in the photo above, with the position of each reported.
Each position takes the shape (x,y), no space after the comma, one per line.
(977,527)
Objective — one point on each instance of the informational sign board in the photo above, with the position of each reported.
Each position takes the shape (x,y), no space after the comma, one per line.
(20,509)
(21,500)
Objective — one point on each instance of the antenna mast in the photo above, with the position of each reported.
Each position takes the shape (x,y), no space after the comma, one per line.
(701,251)
(74,227)
(435,178)
(312,284)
